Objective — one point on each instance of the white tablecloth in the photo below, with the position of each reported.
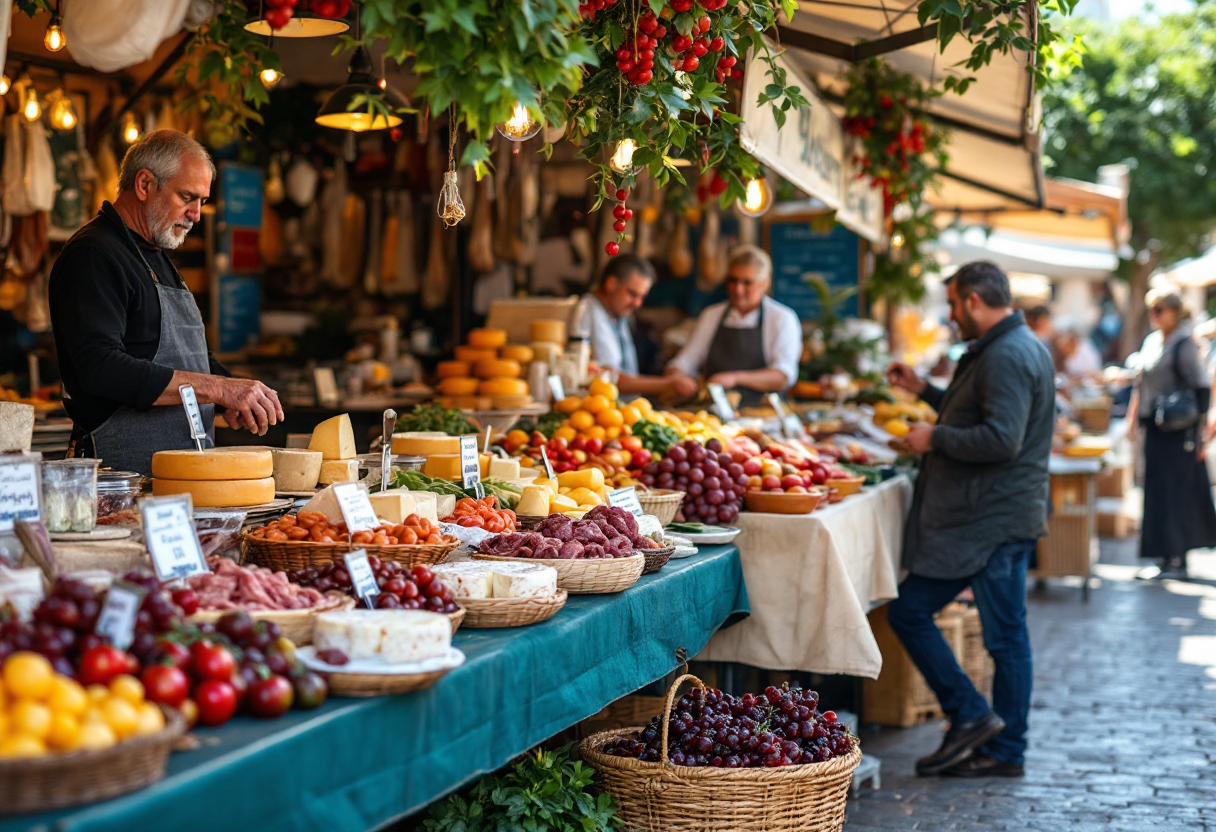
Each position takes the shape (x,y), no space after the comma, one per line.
(812,578)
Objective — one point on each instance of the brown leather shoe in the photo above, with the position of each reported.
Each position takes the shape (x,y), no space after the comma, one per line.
(981,765)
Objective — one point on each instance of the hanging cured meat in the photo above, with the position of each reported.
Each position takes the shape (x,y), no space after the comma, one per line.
(406,265)
(435,287)
(679,255)
(711,265)
(15,197)
(375,243)
(354,239)
(481,245)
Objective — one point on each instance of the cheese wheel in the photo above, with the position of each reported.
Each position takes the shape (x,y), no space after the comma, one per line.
(218,493)
(486,337)
(334,438)
(457,386)
(425,443)
(517,352)
(511,402)
(213,464)
(497,368)
(503,387)
(296,469)
(444,466)
(450,369)
(474,354)
(547,329)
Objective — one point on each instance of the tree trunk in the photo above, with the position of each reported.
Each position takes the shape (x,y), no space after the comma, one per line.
(1135,317)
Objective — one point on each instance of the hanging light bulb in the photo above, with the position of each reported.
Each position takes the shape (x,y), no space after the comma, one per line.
(31,109)
(63,114)
(897,240)
(622,157)
(6,84)
(130,130)
(520,126)
(54,39)
(757,198)
(336,111)
(270,78)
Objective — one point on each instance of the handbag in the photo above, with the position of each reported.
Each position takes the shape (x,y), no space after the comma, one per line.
(1178,410)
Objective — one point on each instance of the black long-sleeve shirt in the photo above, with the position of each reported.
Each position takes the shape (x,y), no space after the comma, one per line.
(105,314)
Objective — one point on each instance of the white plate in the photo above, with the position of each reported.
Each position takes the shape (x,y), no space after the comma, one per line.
(711,535)
(452,659)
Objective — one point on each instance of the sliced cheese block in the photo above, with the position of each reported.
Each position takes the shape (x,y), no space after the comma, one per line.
(326,503)
(518,352)
(504,469)
(547,483)
(444,466)
(524,580)
(393,505)
(503,387)
(497,368)
(427,503)
(296,469)
(474,354)
(214,464)
(458,386)
(559,502)
(335,438)
(218,493)
(16,426)
(534,501)
(396,636)
(448,369)
(549,330)
(338,470)
(528,473)
(487,337)
(589,478)
(425,443)
(466,579)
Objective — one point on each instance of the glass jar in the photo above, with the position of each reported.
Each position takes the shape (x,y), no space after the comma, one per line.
(69,495)
(117,493)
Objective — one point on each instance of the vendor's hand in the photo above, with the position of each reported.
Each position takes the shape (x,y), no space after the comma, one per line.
(727,380)
(233,419)
(683,385)
(901,375)
(919,438)
(256,405)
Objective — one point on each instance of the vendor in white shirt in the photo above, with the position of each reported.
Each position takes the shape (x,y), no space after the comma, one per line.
(622,288)
(751,343)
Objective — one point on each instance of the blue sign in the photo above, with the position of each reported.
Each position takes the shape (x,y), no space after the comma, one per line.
(240,195)
(240,302)
(800,251)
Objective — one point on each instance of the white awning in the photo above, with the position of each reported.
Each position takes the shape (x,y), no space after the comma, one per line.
(1013,252)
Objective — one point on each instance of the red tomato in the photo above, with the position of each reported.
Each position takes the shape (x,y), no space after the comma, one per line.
(101,664)
(167,685)
(216,702)
(271,697)
(177,653)
(211,661)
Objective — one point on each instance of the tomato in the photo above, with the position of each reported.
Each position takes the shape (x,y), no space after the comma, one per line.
(240,683)
(175,652)
(310,690)
(187,599)
(271,697)
(211,661)
(167,685)
(216,702)
(101,664)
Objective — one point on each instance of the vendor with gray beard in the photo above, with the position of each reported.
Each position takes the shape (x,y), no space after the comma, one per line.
(127,329)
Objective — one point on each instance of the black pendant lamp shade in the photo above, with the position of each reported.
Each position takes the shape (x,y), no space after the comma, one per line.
(335,113)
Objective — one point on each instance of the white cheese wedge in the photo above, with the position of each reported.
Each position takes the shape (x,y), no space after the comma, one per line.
(335,438)
(338,470)
(466,580)
(504,469)
(393,505)
(444,504)
(524,580)
(332,632)
(396,636)
(295,469)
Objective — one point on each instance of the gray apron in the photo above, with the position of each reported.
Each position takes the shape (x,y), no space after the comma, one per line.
(629,352)
(733,350)
(127,440)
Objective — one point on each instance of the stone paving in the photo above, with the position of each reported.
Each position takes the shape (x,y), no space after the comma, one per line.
(1122,727)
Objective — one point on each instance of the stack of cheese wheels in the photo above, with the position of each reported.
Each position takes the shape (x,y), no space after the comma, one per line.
(486,373)
(441,451)
(335,439)
(548,339)
(215,478)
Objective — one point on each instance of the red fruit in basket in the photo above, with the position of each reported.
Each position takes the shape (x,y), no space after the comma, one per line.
(271,698)
(216,702)
(176,653)
(101,664)
(791,480)
(422,576)
(770,481)
(187,599)
(211,661)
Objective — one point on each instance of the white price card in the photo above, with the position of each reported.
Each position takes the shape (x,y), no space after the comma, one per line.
(557,388)
(20,491)
(171,539)
(721,403)
(544,457)
(327,386)
(356,509)
(198,431)
(362,578)
(116,621)
(470,462)
(626,498)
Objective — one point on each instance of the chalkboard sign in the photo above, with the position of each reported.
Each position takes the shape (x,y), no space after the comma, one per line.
(800,250)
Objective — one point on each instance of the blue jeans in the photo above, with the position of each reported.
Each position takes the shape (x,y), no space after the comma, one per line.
(1000,595)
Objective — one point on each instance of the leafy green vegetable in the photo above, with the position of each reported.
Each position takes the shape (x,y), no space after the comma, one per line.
(655,437)
(506,493)
(545,425)
(433,417)
(686,527)
(418,481)
(872,473)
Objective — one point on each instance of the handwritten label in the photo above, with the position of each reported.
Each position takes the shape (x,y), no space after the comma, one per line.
(20,492)
(116,621)
(626,498)
(470,462)
(327,386)
(171,539)
(544,457)
(198,431)
(557,388)
(721,403)
(356,509)
(362,579)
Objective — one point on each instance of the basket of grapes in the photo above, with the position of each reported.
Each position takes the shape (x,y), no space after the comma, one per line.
(712,761)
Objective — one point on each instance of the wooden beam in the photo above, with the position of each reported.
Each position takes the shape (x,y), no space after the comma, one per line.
(893,43)
(855,53)
(815,43)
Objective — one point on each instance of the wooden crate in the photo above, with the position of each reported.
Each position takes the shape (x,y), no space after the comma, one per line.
(1068,548)
(900,696)
(1094,420)
(1115,480)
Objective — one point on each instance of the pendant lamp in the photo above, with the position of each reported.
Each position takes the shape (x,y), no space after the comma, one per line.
(303,24)
(335,111)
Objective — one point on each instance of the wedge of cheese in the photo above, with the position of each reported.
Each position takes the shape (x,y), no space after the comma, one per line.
(393,505)
(296,469)
(534,501)
(396,636)
(444,466)
(214,464)
(504,469)
(338,470)
(326,503)
(524,580)
(334,438)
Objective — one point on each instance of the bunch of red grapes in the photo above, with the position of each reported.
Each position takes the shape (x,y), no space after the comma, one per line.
(781,727)
(712,481)
(401,588)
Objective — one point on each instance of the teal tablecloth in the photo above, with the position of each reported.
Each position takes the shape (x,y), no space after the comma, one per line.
(357,764)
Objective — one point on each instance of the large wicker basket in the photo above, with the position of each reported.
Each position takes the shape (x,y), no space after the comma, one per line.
(511,612)
(74,778)
(587,577)
(298,554)
(662,503)
(296,625)
(661,797)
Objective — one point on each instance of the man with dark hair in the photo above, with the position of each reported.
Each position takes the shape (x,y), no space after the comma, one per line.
(1038,318)
(978,509)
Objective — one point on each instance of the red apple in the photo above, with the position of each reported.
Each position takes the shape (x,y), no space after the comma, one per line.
(819,475)
(578,443)
(771,482)
(595,446)
(752,467)
(641,457)
(790,480)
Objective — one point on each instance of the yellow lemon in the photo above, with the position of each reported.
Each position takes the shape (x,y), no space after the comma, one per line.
(94,713)
(896,427)
(29,717)
(21,745)
(28,675)
(65,732)
(122,716)
(128,688)
(595,432)
(568,405)
(580,420)
(565,432)
(596,404)
(643,406)
(151,719)
(97,694)
(610,418)
(600,387)
(68,696)
(630,414)
(95,736)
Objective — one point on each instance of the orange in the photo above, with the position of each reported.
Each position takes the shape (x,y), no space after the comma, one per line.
(96,735)
(580,420)
(595,432)
(565,432)
(28,675)
(568,405)
(643,406)
(631,443)
(21,745)
(612,432)
(600,387)
(29,717)
(596,404)
(610,418)
(65,732)
(896,427)
(630,414)
(68,697)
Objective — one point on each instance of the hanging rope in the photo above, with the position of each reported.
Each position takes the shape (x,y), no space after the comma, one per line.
(451,208)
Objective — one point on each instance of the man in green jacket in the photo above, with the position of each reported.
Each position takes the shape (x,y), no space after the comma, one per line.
(979,507)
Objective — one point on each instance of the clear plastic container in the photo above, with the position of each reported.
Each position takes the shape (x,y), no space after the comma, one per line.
(117,496)
(69,495)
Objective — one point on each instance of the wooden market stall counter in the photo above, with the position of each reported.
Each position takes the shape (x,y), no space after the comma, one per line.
(355,764)
(811,579)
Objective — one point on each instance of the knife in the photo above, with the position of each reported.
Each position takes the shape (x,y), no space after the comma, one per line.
(386,450)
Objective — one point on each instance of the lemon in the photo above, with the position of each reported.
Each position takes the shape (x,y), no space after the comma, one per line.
(97,694)
(610,418)
(95,736)
(21,745)
(128,688)
(600,387)
(896,427)
(65,732)
(68,696)
(28,675)
(565,432)
(29,717)
(596,404)
(580,420)
(121,716)
(630,414)
(151,719)
(568,405)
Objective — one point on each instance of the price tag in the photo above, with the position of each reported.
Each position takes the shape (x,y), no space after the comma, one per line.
(470,462)
(116,621)
(356,509)
(544,457)
(171,539)
(718,393)
(774,401)
(20,491)
(198,431)
(327,386)
(626,498)
(362,579)
(557,388)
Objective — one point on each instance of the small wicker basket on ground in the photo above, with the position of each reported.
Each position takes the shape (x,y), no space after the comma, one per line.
(661,797)
(298,554)
(662,503)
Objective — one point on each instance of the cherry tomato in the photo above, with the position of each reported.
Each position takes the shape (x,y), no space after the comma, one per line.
(167,685)
(240,683)
(216,702)
(211,661)
(187,599)
(310,689)
(271,697)
(176,653)
(101,664)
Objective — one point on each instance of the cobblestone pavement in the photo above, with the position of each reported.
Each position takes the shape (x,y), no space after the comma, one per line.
(1122,727)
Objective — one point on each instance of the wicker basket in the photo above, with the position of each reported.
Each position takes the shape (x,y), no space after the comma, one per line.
(74,778)
(296,624)
(484,613)
(662,503)
(587,577)
(661,797)
(298,554)
(456,619)
(657,558)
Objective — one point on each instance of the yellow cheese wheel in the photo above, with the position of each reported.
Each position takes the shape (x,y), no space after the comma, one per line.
(510,402)
(497,368)
(487,337)
(218,493)
(458,386)
(503,387)
(517,352)
(214,464)
(425,443)
(444,466)
(549,330)
(450,369)
(474,354)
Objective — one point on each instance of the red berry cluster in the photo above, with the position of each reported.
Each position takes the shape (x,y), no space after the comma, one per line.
(280,12)
(588,8)
(635,58)
(623,215)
